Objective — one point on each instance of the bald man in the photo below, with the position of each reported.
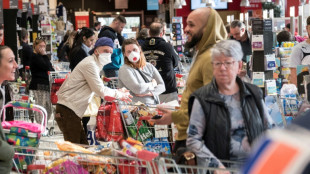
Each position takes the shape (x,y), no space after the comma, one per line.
(204,28)
(163,56)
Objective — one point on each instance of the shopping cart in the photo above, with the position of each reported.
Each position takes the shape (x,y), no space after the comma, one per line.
(56,78)
(169,166)
(49,159)
(289,107)
(155,138)
(111,82)
(21,133)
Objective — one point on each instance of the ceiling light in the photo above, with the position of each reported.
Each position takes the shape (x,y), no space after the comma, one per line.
(245,3)
(183,3)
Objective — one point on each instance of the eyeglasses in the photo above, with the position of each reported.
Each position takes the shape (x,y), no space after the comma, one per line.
(226,64)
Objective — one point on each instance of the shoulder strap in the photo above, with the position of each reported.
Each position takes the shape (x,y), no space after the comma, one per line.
(143,76)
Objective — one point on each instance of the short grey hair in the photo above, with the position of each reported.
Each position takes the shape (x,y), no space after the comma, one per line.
(237,23)
(228,48)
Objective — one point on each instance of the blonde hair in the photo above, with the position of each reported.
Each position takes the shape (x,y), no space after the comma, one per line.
(70,39)
(142,61)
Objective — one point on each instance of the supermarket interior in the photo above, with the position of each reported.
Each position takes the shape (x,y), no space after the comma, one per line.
(155,86)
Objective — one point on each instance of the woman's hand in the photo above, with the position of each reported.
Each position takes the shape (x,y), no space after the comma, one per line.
(42,51)
(144,95)
(124,95)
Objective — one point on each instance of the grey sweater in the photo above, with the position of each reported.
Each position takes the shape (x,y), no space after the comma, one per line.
(131,79)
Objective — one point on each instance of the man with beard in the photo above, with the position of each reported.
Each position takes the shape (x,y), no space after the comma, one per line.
(300,55)
(204,29)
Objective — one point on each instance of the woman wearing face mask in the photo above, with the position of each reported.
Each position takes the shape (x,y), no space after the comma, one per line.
(79,88)
(141,78)
(8,67)
(39,85)
(83,42)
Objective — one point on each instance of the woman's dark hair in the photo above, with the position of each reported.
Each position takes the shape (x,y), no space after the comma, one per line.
(78,40)
(284,36)
(2,47)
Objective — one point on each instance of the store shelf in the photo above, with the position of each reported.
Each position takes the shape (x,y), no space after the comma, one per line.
(20,47)
(29,29)
(30,43)
(18,28)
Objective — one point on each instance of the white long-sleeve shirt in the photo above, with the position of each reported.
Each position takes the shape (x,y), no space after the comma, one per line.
(77,89)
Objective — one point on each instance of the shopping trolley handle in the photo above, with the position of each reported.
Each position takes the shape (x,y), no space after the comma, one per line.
(22,105)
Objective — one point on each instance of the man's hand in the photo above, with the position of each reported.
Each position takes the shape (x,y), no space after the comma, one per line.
(166,119)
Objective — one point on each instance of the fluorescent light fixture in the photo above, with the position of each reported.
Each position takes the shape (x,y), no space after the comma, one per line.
(183,2)
(246,16)
(177,4)
(245,3)
(241,17)
(300,10)
(292,11)
(226,0)
(228,19)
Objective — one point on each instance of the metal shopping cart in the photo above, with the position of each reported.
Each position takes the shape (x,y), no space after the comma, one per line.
(111,82)
(49,159)
(155,138)
(22,133)
(169,166)
(56,78)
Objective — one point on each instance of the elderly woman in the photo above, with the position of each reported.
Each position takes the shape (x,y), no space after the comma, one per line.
(140,77)
(227,114)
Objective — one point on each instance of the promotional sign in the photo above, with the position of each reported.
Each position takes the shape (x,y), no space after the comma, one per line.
(81,19)
(152,5)
(10,4)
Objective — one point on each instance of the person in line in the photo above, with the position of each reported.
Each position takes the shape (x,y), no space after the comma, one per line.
(227,114)
(83,41)
(142,35)
(8,67)
(114,31)
(60,55)
(67,46)
(204,29)
(141,78)
(27,49)
(300,55)
(97,26)
(79,88)
(284,36)
(239,33)
(163,56)
(39,84)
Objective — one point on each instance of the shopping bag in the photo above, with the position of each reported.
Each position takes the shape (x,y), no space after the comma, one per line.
(54,88)
(115,128)
(102,121)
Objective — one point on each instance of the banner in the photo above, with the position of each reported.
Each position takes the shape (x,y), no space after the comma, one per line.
(81,19)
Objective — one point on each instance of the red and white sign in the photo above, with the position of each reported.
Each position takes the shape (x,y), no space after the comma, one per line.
(81,19)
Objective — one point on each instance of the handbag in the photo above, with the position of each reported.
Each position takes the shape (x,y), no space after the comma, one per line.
(156,98)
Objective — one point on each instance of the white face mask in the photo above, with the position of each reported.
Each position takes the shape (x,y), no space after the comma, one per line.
(134,57)
(104,58)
